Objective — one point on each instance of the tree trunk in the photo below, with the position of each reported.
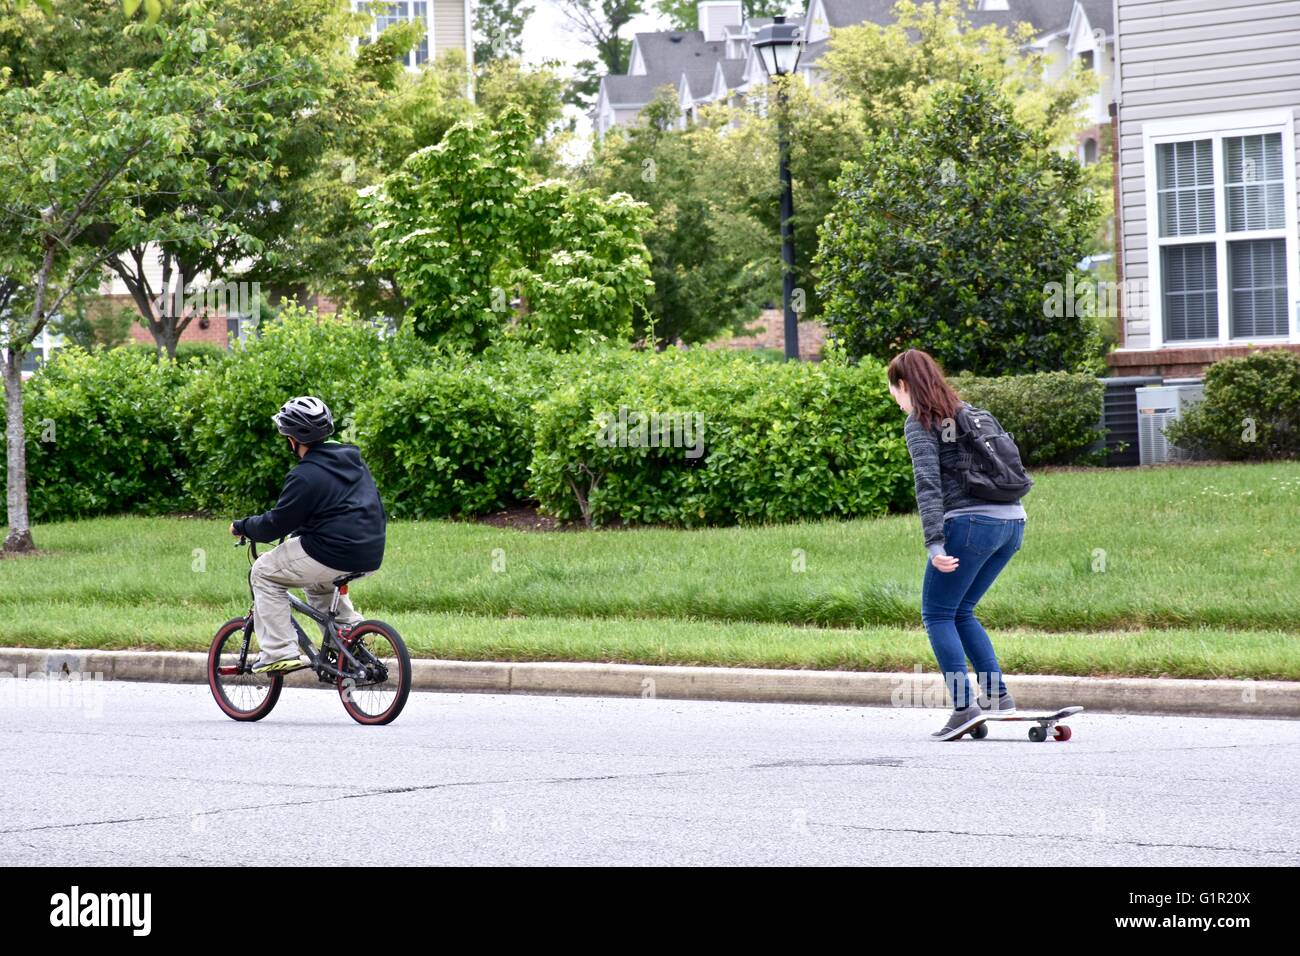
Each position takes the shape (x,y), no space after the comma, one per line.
(19,538)
(167,340)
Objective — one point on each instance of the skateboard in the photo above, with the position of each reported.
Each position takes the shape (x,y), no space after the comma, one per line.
(1039,732)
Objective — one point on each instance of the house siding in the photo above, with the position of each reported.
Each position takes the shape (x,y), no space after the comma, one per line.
(1184,58)
(448,25)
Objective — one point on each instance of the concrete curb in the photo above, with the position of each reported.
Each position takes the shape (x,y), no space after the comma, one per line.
(1210,698)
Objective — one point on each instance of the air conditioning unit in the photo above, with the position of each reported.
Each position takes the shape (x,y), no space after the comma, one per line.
(1157,406)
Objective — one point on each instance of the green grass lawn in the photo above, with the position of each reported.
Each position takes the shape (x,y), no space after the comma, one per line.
(1199,579)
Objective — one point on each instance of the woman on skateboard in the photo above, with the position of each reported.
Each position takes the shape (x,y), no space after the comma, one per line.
(970,539)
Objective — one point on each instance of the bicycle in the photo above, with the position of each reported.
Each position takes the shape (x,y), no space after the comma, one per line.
(369,665)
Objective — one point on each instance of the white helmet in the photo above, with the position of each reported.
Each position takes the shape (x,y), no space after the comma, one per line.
(305,418)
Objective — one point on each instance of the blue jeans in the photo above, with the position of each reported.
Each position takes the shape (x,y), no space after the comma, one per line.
(983,546)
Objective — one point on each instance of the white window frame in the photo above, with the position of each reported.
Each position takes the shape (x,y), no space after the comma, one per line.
(411,54)
(1216,128)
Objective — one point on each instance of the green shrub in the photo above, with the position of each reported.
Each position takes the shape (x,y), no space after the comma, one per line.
(225,415)
(946,235)
(778,442)
(189,353)
(101,435)
(1251,409)
(1053,416)
(455,437)
(140,348)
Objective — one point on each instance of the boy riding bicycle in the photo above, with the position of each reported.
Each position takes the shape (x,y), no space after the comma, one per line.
(330,500)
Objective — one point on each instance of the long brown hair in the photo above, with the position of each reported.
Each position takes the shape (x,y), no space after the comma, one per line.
(933,399)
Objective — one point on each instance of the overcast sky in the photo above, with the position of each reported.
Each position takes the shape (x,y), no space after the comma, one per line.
(548,34)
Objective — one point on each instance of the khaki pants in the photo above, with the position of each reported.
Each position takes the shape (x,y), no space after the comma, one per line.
(283,567)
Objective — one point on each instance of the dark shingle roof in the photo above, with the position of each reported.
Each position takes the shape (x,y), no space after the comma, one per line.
(1101,15)
(1044,15)
(633,90)
(846,13)
(669,52)
(733,72)
(700,79)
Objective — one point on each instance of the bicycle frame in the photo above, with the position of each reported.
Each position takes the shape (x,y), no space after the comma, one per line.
(326,621)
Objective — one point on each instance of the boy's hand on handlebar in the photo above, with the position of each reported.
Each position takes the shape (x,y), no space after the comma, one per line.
(944,562)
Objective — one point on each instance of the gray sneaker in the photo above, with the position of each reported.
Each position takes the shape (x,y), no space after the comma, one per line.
(959,722)
(1004,704)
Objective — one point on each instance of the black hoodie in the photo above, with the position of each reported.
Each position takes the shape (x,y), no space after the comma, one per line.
(331,501)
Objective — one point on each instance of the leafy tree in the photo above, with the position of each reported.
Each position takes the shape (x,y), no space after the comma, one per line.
(460,228)
(389,116)
(283,62)
(499,28)
(78,160)
(946,235)
(438,224)
(601,23)
(712,190)
(892,71)
(582,268)
(282,65)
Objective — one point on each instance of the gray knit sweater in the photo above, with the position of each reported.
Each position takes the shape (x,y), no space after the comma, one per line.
(938,468)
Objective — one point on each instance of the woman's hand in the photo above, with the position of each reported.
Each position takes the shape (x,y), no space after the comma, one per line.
(944,563)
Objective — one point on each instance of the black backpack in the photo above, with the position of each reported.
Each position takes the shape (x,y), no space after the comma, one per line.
(994,470)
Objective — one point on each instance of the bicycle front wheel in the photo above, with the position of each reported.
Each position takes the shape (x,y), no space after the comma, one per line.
(377,694)
(241,694)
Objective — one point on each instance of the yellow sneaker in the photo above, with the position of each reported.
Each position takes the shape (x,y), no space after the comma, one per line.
(283,664)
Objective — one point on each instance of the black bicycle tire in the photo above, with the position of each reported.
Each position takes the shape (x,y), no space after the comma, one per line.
(404,691)
(218,694)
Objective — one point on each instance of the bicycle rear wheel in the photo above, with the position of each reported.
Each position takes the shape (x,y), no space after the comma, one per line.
(241,696)
(378,695)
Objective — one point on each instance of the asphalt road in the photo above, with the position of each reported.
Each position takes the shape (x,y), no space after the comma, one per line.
(155,774)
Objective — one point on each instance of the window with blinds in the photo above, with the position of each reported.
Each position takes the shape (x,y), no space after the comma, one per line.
(1191,291)
(1222,248)
(1185,187)
(1257,287)
(1253,184)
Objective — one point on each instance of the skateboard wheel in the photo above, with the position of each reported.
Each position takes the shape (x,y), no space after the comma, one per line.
(1062,732)
(1037,734)
(980,732)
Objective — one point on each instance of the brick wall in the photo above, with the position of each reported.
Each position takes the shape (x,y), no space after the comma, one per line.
(1178,363)
(768,331)
(195,332)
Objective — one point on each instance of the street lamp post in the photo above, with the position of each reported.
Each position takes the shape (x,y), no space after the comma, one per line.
(779,45)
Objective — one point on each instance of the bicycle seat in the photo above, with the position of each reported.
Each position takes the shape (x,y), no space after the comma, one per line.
(343,579)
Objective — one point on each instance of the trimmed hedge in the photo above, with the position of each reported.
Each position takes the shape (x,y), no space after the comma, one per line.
(187,353)
(101,435)
(240,460)
(778,442)
(1251,409)
(736,440)
(452,439)
(1053,416)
